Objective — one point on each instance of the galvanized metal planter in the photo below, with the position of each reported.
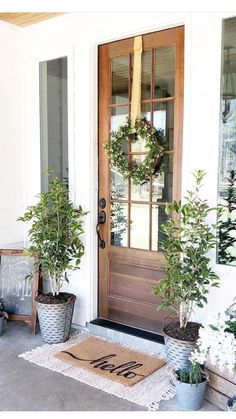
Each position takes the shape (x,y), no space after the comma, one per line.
(190,396)
(55,321)
(178,351)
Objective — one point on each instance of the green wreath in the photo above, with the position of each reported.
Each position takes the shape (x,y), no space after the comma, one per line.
(154,143)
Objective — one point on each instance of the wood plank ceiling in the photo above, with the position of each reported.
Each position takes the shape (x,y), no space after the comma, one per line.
(26,19)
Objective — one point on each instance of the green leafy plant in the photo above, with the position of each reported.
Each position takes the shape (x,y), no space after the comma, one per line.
(188,239)
(194,375)
(231,327)
(154,141)
(54,234)
(231,323)
(231,310)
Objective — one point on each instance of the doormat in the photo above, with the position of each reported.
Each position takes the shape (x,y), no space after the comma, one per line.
(148,391)
(111,361)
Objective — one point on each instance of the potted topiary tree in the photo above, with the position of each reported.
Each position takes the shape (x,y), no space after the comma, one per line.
(54,237)
(188,239)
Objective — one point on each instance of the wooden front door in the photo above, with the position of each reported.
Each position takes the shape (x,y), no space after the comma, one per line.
(131,261)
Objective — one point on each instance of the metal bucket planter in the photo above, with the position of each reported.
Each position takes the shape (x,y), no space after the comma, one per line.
(1,324)
(178,351)
(55,320)
(190,396)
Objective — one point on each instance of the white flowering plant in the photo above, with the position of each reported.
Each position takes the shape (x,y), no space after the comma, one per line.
(217,342)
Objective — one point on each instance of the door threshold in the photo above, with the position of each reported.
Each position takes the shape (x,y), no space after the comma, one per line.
(129,330)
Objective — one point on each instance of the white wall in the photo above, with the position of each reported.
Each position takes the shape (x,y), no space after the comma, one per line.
(201,134)
(77,36)
(11,134)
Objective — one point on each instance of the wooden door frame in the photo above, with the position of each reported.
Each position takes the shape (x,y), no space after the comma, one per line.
(103,102)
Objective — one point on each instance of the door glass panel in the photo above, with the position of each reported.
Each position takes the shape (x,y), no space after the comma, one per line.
(159,217)
(162,185)
(118,185)
(145,109)
(53,120)
(138,146)
(118,116)
(146,75)
(119,220)
(164,72)
(120,79)
(163,118)
(140,192)
(162,115)
(137,158)
(139,229)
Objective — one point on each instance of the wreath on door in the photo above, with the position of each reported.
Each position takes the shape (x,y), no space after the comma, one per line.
(154,141)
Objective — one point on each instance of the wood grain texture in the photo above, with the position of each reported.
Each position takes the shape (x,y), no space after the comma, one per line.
(216,398)
(224,373)
(221,384)
(221,387)
(103,175)
(26,19)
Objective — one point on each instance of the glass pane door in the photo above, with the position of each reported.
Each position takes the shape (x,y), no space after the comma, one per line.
(131,203)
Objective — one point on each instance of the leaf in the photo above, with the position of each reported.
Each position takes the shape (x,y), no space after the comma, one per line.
(214,327)
(167,210)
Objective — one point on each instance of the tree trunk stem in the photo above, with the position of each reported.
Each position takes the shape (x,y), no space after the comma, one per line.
(184,313)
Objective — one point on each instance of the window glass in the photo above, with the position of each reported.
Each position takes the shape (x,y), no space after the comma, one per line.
(164,72)
(226,252)
(53,120)
(119,79)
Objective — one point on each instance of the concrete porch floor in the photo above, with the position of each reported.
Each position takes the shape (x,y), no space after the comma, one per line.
(27,387)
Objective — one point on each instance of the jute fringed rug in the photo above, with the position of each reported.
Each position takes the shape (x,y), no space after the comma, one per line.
(146,391)
(111,361)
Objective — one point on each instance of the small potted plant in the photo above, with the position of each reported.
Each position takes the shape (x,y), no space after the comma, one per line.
(188,239)
(54,237)
(190,386)
(3,316)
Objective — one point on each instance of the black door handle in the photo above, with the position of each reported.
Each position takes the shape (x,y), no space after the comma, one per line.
(101,220)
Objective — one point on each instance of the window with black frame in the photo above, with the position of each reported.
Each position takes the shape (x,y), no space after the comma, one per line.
(226,251)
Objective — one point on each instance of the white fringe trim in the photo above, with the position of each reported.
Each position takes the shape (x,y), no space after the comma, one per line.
(148,393)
